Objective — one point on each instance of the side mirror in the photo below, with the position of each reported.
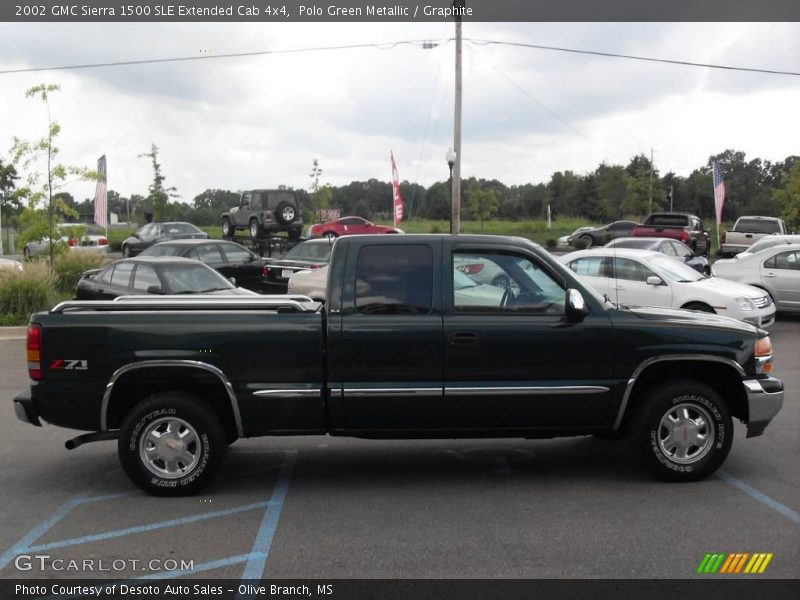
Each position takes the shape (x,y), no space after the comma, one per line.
(653,280)
(576,308)
(155,289)
(232,280)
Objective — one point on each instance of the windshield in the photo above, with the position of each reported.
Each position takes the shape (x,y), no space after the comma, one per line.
(674,270)
(315,251)
(159,250)
(193,279)
(631,243)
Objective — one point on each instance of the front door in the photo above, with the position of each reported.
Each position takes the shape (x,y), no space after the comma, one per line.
(631,287)
(512,360)
(387,352)
(781,273)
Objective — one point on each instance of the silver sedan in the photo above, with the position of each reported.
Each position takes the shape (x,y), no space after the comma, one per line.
(776,270)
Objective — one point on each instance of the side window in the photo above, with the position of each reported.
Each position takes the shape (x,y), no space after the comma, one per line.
(106,277)
(146,230)
(393,280)
(255,201)
(504,282)
(208,254)
(668,248)
(234,253)
(787,260)
(594,266)
(145,277)
(631,270)
(246,200)
(122,275)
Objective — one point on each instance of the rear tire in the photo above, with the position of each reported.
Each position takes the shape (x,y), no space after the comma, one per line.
(171,444)
(331,235)
(256,231)
(682,431)
(588,241)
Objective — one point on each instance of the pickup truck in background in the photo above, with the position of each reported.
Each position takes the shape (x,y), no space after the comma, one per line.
(748,230)
(403,347)
(683,227)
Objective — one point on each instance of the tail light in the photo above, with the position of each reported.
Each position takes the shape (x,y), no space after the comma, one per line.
(102,242)
(684,236)
(315,266)
(268,216)
(72,242)
(34,351)
(265,271)
(471,269)
(763,356)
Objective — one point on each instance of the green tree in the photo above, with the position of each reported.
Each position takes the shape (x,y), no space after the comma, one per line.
(788,196)
(321,194)
(44,206)
(159,195)
(482,203)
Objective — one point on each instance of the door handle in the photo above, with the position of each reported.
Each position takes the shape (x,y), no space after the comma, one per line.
(770,275)
(463,338)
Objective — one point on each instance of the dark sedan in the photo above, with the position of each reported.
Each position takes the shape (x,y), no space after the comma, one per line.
(602,235)
(229,258)
(153,275)
(311,254)
(152,233)
(672,248)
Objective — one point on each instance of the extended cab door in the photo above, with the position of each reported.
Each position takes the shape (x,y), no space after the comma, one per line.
(512,359)
(385,339)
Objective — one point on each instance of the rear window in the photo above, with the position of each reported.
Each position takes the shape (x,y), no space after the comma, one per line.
(321,252)
(394,281)
(669,220)
(276,198)
(180,228)
(159,250)
(757,226)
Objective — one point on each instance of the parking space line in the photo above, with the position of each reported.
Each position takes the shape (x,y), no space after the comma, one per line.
(760,496)
(266,532)
(96,537)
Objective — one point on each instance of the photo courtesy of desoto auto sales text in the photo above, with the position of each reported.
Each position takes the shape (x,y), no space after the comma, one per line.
(451,299)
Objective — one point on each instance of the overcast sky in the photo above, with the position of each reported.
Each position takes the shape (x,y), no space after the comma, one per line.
(259,121)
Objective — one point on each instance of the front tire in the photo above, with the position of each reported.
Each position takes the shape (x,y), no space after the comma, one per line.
(126,252)
(171,444)
(227,229)
(331,235)
(682,432)
(588,241)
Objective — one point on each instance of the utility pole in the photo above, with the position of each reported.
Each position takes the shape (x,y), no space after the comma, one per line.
(458,5)
(650,199)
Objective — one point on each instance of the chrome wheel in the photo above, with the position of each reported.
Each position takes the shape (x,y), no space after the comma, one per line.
(169,448)
(288,214)
(686,433)
(254,229)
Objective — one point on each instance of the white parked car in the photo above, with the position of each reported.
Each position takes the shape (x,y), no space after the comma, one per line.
(11,265)
(645,278)
(776,270)
(468,292)
(764,243)
(93,239)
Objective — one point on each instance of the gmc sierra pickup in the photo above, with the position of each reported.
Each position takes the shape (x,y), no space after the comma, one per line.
(678,226)
(405,345)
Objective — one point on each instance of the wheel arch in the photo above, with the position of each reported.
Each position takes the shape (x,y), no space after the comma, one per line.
(131,382)
(724,375)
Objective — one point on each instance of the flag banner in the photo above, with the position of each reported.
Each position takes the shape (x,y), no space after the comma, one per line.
(719,192)
(100,200)
(397,200)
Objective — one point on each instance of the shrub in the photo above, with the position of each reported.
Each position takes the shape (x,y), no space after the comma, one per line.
(68,268)
(24,292)
(551,243)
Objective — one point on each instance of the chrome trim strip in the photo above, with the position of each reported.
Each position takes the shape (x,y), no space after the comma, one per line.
(666,358)
(196,302)
(194,364)
(289,392)
(430,391)
(526,390)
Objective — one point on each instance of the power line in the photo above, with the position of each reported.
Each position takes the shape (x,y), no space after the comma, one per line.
(424,44)
(634,57)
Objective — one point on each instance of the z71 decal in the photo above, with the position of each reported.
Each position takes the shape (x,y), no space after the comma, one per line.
(63,364)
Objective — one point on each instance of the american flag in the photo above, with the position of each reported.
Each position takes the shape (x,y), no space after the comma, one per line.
(397,200)
(719,192)
(100,200)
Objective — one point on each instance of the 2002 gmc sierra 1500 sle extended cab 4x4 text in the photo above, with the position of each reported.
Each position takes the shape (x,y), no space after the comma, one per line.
(403,347)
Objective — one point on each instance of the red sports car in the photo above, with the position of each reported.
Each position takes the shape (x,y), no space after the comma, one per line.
(349,226)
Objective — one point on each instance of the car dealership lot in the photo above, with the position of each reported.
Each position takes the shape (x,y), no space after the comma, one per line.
(326,507)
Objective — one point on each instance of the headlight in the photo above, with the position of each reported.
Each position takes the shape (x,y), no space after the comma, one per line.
(744,304)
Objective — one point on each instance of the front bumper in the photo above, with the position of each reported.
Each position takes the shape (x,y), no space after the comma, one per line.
(25,409)
(764,400)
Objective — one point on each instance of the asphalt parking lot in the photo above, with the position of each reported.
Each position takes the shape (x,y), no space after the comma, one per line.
(319,507)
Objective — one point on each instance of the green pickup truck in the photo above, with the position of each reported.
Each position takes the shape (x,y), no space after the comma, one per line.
(408,344)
